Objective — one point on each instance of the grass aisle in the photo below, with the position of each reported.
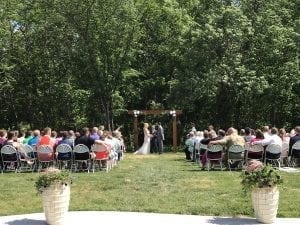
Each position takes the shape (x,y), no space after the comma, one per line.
(153,183)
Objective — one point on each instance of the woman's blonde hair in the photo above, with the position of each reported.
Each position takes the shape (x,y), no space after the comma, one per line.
(146,125)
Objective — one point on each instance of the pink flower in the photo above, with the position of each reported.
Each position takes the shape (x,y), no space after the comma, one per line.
(254,165)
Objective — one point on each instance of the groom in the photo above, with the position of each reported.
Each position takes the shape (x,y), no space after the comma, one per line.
(160,137)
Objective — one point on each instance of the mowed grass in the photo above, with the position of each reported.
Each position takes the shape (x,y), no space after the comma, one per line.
(153,183)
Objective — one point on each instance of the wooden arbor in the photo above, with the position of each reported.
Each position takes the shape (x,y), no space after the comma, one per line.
(136,113)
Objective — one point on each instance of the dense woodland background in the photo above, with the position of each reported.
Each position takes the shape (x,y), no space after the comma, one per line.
(70,63)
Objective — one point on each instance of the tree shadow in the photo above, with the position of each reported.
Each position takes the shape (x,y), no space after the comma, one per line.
(27,222)
(233,221)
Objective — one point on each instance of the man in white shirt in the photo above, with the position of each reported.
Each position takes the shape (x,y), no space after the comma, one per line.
(272,139)
(266,131)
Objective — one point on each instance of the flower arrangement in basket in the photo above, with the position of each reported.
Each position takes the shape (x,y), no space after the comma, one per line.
(258,175)
(262,180)
(54,186)
(52,176)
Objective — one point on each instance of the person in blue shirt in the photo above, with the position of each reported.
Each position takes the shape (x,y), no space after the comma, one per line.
(35,139)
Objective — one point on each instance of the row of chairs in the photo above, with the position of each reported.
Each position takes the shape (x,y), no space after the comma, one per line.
(273,153)
(28,158)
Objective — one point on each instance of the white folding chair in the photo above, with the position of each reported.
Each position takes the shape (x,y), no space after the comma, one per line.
(45,156)
(10,160)
(295,153)
(254,152)
(101,154)
(202,153)
(273,152)
(27,158)
(214,153)
(81,154)
(284,157)
(64,156)
(235,154)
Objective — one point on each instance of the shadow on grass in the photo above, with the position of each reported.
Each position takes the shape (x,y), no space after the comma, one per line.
(26,222)
(192,170)
(232,221)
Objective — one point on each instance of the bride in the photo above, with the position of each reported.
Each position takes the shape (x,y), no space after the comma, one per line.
(145,149)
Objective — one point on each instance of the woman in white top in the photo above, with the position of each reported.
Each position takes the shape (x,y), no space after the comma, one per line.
(145,149)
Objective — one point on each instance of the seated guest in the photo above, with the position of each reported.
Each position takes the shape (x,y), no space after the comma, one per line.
(210,128)
(205,139)
(198,137)
(272,139)
(248,136)
(232,138)
(35,139)
(94,135)
(46,138)
(28,136)
(284,137)
(294,139)
(65,140)
(189,143)
(221,134)
(258,137)
(114,145)
(10,141)
(266,131)
(212,136)
(3,135)
(242,132)
(21,136)
(86,140)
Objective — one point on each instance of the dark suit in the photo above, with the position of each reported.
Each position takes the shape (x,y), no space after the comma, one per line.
(293,140)
(154,144)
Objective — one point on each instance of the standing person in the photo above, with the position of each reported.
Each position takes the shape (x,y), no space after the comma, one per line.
(160,138)
(154,143)
(145,149)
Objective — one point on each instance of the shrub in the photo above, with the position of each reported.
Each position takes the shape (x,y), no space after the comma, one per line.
(52,176)
(258,175)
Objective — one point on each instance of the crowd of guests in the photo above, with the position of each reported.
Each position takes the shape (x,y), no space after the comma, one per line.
(113,141)
(264,136)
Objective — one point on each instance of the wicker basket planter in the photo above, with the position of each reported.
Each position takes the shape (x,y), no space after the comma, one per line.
(54,187)
(56,200)
(265,203)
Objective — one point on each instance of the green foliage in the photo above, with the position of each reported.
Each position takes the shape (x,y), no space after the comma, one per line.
(67,64)
(267,176)
(52,177)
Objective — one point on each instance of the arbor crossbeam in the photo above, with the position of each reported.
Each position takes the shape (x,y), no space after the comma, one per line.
(173,113)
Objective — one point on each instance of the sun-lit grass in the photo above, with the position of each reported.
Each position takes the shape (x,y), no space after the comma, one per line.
(153,183)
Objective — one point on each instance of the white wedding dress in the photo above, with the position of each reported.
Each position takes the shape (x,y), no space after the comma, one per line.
(145,148)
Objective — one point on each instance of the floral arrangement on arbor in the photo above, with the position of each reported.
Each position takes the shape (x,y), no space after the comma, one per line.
(258,175)
(52,176)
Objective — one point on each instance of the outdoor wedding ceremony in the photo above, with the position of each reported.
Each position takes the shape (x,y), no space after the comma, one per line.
(173,112)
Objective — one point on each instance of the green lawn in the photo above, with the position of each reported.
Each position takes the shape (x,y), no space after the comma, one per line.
(165,184)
